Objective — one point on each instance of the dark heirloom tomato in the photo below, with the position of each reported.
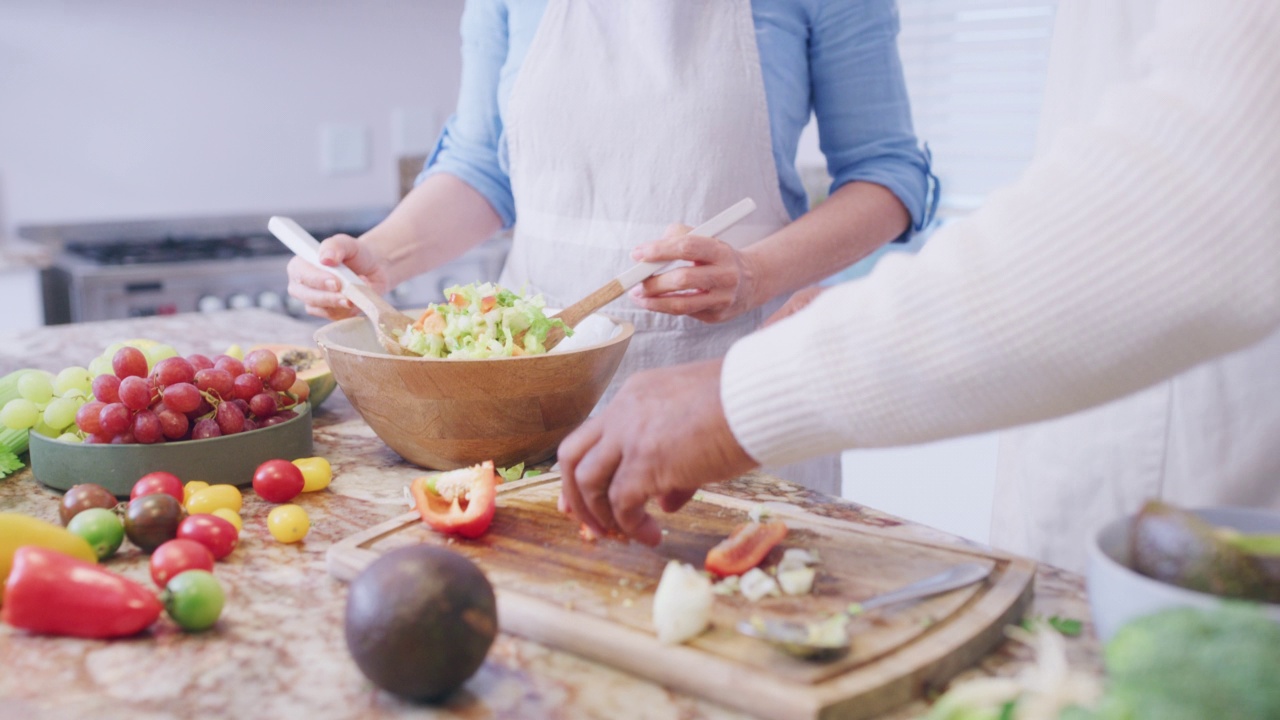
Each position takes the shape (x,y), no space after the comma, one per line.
(82,497)
(152,520)
(745,547)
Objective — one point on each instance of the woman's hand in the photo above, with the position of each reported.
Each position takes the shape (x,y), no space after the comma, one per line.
(719,286)
(663,436)
(321,291)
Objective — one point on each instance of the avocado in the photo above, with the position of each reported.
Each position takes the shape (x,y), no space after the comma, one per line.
(420,621)
(1178,547)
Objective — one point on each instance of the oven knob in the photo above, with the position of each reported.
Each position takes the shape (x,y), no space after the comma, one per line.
(240,301)
(210,303)
(295,306)
(270,300)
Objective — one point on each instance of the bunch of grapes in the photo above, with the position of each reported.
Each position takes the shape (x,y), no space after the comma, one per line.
(185,398)
(48,404)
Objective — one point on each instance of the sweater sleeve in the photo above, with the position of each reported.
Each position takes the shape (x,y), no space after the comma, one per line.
(1139,245)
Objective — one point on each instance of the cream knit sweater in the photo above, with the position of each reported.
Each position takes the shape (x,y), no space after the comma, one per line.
(1138,246)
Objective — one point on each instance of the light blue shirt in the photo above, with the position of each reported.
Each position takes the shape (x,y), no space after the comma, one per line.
(836,58)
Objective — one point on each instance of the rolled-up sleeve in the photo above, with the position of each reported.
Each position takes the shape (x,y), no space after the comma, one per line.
(860,101)
(468,145)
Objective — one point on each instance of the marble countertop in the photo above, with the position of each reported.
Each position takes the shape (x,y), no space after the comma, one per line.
(279,652)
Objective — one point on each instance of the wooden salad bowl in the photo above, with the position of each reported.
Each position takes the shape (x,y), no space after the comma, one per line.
(446,414)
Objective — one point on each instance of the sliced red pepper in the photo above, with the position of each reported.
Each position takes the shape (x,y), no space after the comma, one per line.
(745,547)
(458,502)
(487,302)
(53,594)
(457,300)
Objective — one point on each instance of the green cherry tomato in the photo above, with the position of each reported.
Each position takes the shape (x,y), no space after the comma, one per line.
(101,528)
(193,600)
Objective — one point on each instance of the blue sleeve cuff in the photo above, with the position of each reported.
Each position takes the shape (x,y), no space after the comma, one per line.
(910,179)
(476,166)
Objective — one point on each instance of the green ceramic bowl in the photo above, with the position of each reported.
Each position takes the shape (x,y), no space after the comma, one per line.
(230,459)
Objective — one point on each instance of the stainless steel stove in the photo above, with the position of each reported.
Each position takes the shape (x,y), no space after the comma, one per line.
(105,271)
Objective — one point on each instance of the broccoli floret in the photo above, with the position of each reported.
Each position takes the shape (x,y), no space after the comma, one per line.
(1189,664)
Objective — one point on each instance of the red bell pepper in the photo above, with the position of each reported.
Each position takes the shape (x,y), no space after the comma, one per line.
(745,547)
(458,502)
(50,593)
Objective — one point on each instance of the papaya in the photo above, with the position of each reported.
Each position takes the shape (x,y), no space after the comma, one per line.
(309,364)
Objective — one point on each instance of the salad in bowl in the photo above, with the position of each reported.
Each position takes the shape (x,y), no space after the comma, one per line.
(481,320)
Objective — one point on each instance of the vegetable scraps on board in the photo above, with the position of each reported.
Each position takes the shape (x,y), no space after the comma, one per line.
(458,502)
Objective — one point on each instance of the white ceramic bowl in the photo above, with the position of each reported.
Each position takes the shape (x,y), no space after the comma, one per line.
(1118,594)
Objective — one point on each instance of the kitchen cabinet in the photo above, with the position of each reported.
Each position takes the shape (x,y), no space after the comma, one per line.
(278,650)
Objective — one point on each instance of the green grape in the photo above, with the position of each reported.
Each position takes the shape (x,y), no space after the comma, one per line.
(156,353)
(19,414)
(77,394)
(60,413)
(72,378)
(70,438)
(101,365)
(43,428)
(36,387)
(111,350)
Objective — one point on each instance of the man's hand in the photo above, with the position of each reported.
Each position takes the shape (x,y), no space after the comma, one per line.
(663,436)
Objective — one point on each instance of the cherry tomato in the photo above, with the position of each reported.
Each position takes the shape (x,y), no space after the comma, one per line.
(230,516)
(101,528)
(316,473)
(278,481)
(151,520)
(193,600)
(158,482)
(214,497)
(82,497)
(288,523)
(191,488)
(217,534)
(176,556)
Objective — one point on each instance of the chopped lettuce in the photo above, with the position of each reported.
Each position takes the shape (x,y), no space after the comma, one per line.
(481,320)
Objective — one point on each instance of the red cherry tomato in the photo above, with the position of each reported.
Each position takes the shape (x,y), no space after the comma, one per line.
(178,556)
(278,481)
(211,531)
(157,482)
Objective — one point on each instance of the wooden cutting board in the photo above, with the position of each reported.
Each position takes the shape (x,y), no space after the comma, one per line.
(595,599)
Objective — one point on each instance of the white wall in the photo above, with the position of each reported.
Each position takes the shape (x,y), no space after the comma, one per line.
(145,108)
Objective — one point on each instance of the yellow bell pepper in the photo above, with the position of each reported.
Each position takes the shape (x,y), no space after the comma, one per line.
(17,530)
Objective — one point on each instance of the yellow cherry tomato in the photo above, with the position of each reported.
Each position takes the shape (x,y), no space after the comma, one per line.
(191,488)
(316,473)
(230,516)
(288,523)
(213,497)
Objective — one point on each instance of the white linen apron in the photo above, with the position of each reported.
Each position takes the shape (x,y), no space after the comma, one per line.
(626,117)
(1207,437)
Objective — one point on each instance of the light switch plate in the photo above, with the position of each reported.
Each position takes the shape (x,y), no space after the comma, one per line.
(344,149)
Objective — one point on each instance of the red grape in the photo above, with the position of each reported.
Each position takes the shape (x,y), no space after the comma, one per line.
(263,404)
(230,418)
(146,427)
(242,404)
(97,439)
(106,388)
(204,409)
(129,362)
(182,397)
(273,420)
(206,428)
(114,418)
(216,381)
(246,386)
(199,362)
(125,438)
(87,416)
(261,363)
(135,392)
(230,364)
(300,390)
(173,370)
(283,378)
(287,414)
(250,424)
(173,424)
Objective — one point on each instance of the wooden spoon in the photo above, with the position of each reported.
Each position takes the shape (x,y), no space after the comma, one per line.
(613,289)
(387,320)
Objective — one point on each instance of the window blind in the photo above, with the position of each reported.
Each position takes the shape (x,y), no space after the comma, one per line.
(975,73)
